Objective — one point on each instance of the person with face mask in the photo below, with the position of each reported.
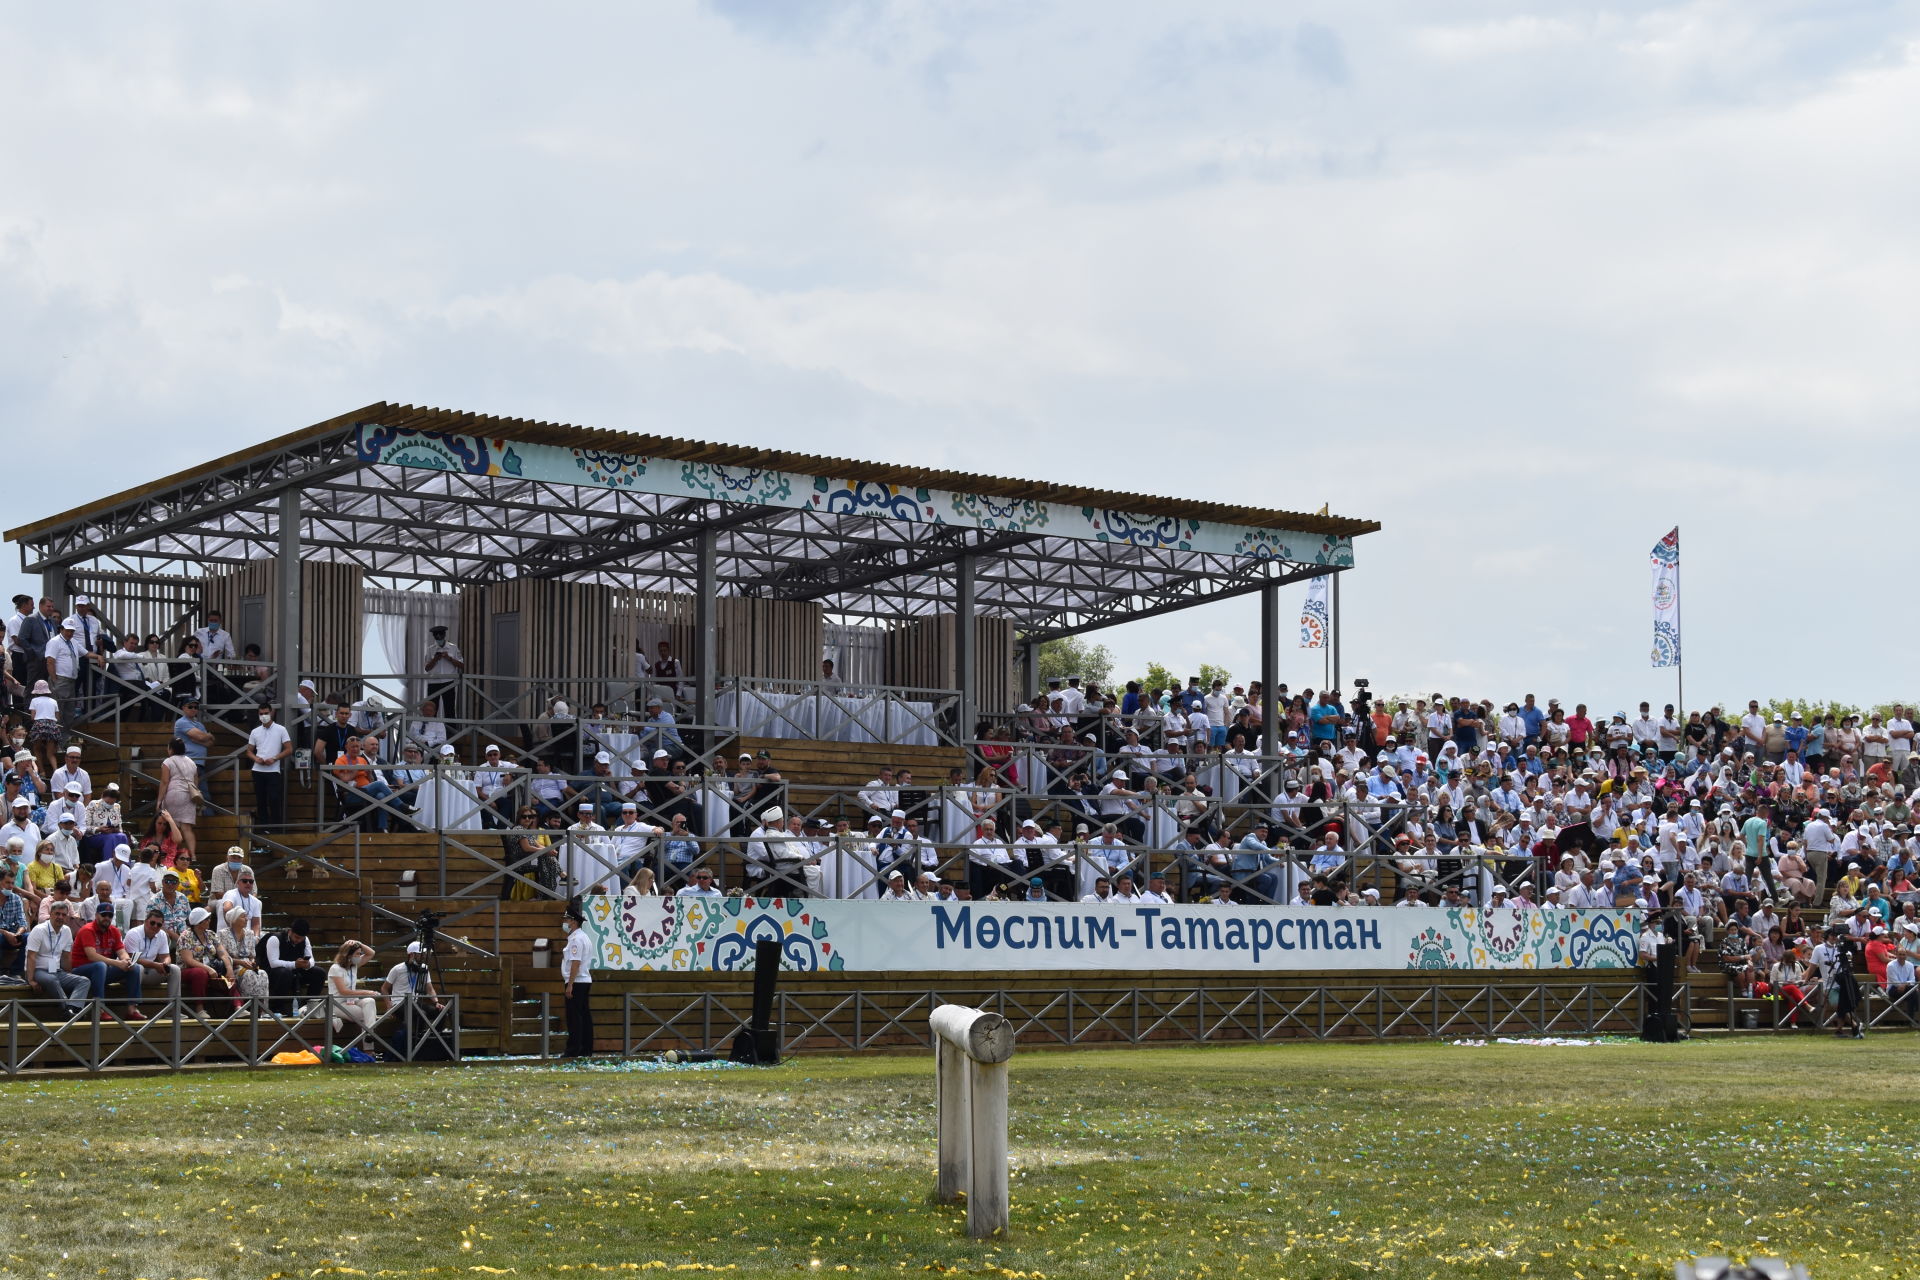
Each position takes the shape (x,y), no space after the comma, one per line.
(576,968)
(412,977)
(216,642)
(268,744)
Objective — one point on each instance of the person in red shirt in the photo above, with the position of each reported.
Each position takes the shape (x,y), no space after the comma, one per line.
(100,956)
(1579,728)
(1879,951)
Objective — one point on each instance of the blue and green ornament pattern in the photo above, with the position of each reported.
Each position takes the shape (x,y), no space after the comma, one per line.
(683,933)
(1513,939)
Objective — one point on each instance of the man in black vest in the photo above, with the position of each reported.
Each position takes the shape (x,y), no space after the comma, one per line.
(287,957)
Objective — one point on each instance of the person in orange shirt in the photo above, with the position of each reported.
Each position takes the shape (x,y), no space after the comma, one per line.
(355,770)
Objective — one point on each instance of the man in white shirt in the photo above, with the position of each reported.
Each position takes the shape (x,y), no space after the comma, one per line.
(243,897)
(152,951)
(268,745)
(881,796)
(71,772)
(1753,731)
(428,731)
(587,861)
(761,846)
(699,885)
(576,971)
(1646,730)
(989,861)
(68,805)
(444,666)
(216,642)
(1899,739)
(628,840)
(49,952)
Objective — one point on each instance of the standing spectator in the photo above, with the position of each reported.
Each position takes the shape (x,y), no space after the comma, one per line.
(215,641)
(576,970)
(43,715)
(445,667)
(268,745)
(16,654)
(180,790)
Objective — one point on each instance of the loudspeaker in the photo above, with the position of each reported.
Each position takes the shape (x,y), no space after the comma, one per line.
(759,1042)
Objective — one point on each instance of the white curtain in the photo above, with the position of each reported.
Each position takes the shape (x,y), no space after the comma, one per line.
(859,653)
(398,622)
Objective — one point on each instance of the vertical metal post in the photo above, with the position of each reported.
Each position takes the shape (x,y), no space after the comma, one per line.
(287,631)
(964,659)
(1270,743)
(1337,629)
(546,1024)
(53,585)
(1029,670)
(706,637)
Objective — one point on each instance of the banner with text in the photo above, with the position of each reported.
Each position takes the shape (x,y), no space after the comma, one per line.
(690,934)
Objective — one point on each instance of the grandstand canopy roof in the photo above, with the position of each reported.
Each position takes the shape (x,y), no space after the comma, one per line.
(420,495)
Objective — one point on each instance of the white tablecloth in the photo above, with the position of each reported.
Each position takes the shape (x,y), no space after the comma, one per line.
(825,717)
(448,804)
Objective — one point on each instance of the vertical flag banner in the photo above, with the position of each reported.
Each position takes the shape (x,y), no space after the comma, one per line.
(1666,600)
(1313,614)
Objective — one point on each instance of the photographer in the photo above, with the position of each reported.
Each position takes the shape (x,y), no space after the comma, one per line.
(410,994)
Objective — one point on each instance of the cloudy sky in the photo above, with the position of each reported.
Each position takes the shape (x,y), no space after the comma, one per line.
(1529,286)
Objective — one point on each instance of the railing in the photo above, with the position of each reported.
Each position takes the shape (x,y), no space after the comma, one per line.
(41,1036)
(840,1019)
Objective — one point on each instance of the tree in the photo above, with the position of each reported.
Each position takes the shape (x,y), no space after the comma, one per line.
(1072,656)
(1159,677)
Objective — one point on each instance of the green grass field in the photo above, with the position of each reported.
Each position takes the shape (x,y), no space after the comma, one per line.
(1299,1161)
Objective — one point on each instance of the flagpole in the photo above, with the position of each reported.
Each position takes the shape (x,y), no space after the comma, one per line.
(1680,662)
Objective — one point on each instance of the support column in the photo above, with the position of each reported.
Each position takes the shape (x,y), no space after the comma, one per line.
(706,639)
(286,642)
(1029,670)
(1335,620)
(963,648)
(1269,668)
(53,585)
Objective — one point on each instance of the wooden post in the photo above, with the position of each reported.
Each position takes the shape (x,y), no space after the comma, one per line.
(972,1048)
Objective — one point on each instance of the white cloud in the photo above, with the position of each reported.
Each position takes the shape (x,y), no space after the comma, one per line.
(1529,288)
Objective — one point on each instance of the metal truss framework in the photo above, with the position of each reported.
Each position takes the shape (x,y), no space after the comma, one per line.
(411,527)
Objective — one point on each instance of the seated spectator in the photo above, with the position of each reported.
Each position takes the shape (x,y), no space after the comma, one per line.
(100,956)
(237,943)
(410,993)
(13,938)
(227,875)
(292,974)
(203,970)
(152,950)
(699,885)
(50,949)
(348,1001)
(357,773)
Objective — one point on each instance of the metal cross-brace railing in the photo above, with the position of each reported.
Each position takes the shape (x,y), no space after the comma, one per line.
(41,1035)
(858,1020)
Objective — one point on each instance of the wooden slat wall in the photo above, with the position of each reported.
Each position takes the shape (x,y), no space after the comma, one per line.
(776,639)
(920,653)
(332,609)
(648,617)
(567,632)
(138,604)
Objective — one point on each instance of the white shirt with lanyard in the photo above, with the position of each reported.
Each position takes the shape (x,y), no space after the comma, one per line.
(578,951)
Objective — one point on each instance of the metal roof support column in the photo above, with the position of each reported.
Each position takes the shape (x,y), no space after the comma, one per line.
(53,585)
(286,641)
(1270,742)
(963,648)
(1029,670)
(706,638)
